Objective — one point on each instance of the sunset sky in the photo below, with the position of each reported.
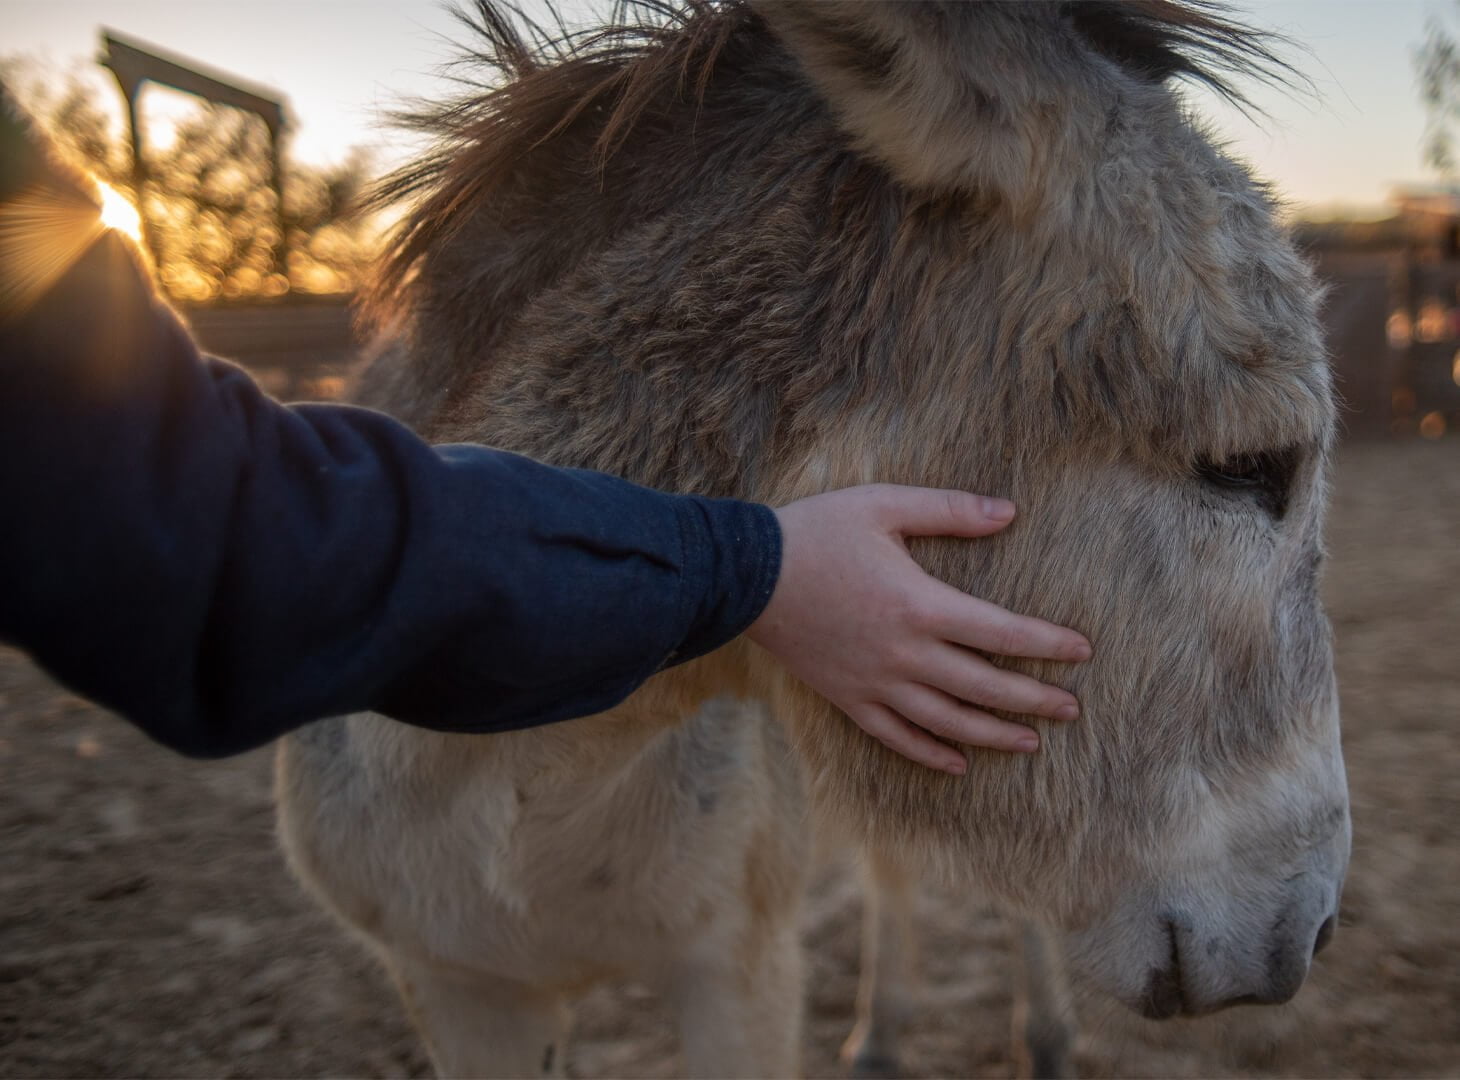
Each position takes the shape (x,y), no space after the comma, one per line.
(342,64)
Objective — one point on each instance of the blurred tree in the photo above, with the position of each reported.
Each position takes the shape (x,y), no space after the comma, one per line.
(208,200)
(1437,65)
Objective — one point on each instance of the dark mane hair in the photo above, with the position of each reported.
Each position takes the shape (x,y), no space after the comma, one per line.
(1190,39)
(526,84)
(529,84)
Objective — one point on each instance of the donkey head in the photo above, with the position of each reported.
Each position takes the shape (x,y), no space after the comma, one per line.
(767,251)
(1101,320)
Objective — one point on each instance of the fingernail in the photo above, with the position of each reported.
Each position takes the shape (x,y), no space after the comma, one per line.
(1080,653)
(1027,743)
(1067,712)
(957,766)
(999,509)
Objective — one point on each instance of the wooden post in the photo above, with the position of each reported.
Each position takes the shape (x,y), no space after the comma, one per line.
(139,172)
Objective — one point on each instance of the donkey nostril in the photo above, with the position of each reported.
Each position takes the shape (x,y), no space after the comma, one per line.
(1325,935)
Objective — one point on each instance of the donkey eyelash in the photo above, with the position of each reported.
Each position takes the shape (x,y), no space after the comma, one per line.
(1265,476)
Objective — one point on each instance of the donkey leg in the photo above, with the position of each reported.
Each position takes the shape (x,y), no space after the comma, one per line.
(1044,1027)
(889,954)
(740,1012)
(479,1026)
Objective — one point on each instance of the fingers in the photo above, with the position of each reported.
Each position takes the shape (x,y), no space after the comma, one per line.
(948,718)
(966,675)
(979,624)
(913,511)
(895,733)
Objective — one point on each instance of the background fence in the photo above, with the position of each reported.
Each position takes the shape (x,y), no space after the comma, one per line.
(299,350)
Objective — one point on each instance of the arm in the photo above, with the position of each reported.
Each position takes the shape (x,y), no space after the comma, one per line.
(220,568)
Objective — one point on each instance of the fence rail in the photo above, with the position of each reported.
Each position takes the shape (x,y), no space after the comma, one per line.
(297,351)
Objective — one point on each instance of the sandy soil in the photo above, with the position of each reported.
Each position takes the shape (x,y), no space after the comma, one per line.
(148,927)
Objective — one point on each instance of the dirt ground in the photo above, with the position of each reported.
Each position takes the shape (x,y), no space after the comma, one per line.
(148,926)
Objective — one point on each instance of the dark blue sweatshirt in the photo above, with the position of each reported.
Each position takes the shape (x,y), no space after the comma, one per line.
(220,568)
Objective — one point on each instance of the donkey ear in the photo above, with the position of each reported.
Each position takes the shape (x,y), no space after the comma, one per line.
(990,98)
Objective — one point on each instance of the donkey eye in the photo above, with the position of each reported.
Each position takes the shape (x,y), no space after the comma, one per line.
(1265,477)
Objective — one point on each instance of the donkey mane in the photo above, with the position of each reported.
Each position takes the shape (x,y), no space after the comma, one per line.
(527,84)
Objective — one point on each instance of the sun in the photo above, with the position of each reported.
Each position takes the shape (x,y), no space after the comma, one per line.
(117,213)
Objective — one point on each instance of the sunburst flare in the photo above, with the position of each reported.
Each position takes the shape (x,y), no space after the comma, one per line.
(118,213)
(44,230)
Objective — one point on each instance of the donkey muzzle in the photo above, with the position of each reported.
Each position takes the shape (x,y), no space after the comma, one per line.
(1201,976)
(1243,933)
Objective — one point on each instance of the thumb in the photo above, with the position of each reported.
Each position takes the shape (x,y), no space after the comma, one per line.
(915,511)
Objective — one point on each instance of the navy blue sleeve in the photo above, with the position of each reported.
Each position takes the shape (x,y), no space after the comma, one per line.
(220,568)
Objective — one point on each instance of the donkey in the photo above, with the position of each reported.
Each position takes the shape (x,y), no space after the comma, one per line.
(766,250)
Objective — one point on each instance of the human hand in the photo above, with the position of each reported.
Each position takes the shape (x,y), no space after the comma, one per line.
(857,620)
